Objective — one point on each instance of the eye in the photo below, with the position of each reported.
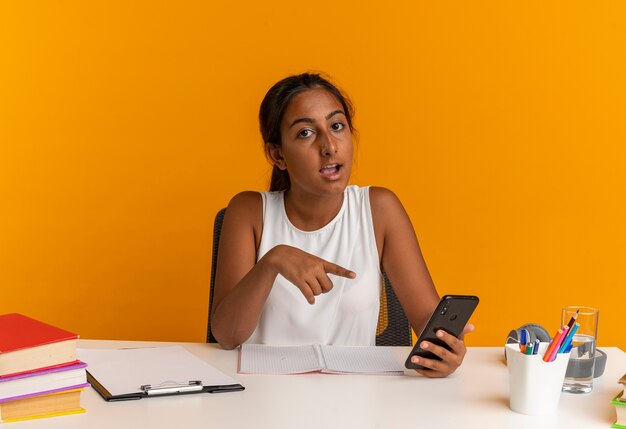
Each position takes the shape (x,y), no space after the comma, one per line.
(305,133)
(337,126)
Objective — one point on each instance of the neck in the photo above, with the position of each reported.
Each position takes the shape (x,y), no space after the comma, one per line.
(311,212)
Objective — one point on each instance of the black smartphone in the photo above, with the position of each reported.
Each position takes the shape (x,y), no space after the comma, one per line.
(451,315)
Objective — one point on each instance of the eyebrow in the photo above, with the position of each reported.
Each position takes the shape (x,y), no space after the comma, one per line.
(310,121)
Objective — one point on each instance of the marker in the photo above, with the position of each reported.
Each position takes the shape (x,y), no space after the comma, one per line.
(525,336)
(522,341)
(529,348)
(536,346)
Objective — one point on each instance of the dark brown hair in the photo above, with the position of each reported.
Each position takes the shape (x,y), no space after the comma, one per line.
(273,109)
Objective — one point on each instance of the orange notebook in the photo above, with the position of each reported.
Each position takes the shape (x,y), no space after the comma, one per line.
(27,344)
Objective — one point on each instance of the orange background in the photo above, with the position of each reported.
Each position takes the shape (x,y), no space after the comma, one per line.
(124,128)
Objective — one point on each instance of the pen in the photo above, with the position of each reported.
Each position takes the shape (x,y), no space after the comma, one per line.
(536,346)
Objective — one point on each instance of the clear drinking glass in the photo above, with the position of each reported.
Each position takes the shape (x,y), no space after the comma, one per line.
(579,375)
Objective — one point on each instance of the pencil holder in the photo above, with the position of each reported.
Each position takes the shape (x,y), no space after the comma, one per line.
(535,385)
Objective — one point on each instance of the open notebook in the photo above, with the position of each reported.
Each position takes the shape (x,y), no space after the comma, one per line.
(266,359)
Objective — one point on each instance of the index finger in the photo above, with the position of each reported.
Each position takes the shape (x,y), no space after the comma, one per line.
(338,270)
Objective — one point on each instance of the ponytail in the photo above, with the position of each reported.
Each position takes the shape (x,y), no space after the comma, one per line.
(280,180)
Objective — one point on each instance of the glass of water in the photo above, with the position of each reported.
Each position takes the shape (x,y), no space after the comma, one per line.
(579,375)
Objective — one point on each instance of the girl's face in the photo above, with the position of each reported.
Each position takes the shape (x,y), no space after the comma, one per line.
(316,146)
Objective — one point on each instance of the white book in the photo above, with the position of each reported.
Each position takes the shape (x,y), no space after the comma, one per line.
(44,381)
(267,359)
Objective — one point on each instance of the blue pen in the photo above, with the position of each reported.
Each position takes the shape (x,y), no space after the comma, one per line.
(522,341)
(568,340)
(536,346)
(524,337)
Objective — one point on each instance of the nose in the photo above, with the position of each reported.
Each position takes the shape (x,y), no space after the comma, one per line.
(328,145)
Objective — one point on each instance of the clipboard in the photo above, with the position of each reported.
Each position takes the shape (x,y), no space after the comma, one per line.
(130,374)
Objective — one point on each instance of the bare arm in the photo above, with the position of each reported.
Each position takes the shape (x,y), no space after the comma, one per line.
(241,284)
(404,264)
(402,258)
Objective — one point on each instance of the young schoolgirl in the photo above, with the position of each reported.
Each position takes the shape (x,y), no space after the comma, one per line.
(302,263)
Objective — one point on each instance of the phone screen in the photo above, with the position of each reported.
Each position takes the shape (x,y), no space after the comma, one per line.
(451,315)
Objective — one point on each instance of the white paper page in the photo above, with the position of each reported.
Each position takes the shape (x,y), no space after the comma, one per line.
(265,359)
(363,360)
(123,371)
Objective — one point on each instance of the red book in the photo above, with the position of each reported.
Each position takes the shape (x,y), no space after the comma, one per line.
(27,344)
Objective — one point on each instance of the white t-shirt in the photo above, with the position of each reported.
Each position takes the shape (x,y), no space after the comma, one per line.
(348,314)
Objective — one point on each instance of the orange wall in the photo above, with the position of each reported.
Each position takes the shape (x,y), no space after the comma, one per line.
(124,128)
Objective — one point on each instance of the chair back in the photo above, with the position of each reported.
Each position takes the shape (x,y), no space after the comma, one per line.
(393,328)
(217,230)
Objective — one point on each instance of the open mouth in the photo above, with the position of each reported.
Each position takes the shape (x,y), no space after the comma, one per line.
(331,169)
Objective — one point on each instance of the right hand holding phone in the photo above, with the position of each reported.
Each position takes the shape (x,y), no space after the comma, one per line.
(308,272)
(450,359)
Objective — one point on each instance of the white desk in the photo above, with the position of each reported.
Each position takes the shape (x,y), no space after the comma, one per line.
(476,396)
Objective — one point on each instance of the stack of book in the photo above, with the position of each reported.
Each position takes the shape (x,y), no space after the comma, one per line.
(39,373)
(620,405)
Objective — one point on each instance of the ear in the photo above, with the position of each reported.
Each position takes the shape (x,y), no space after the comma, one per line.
(275,155)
